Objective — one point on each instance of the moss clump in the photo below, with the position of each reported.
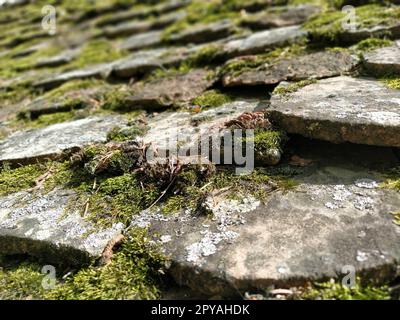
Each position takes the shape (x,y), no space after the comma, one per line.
(396,217)
(293,87)
(116,100)
(268,139)
(332,290)
(132,274)
(372,44)
(327,26)
(21,178)
(211,99)
(73,85)
(207,55)
(118,134)
(392,82)
(22,282)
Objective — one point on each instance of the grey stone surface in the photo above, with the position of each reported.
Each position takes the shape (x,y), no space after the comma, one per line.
(341,109)
(169,91)
(336,216)
(49,142)
(142,40)
(50,226)
(259,41)
(57,60)
(383,61)
(316,65)
(204,32)
(280,17)
(96,71)
(147,60)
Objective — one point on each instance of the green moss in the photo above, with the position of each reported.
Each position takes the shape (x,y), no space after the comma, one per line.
(22,282)
(118,134)
(116,100)
(327,26)
(211,99)
(97,51)
(132,274)
(335,291)
(266,139)
(206,55)
(293,87)
(21,178)
(372,44)
(48,119)
(392,82)
(396,217)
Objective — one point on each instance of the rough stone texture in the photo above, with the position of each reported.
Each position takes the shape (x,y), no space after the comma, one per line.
(97,71)
(341,109)
(147,60)
(259,41)
(315,65)
(49,227)
(142,40)
(280,17)
(354,36)
(27,146)
(170,91)
(204,32)
(383,61)
(60,59)
(336,216)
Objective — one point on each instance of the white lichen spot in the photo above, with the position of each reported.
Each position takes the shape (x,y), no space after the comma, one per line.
(366,183)
(165,238)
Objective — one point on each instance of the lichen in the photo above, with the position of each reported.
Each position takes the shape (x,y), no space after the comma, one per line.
(392,82)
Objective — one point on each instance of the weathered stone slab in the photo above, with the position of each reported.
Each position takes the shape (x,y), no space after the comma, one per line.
(27,146)
(58,60)
(169,91)
(129,28)
(316,65)
(337,216)
(280,17)
(50,226)
(204,32)
(142,40)
(147,60)
(259,41)
(341,109)
(97,71)
(383,61)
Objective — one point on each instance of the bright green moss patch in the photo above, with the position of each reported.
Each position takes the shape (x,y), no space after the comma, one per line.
(268,139)
(132,274)
(211,99)
(293,87)
(327,26)
(332,290)
(392,82)
(21,178)
(74,85)
(22,282)
(372,44)
(116,100)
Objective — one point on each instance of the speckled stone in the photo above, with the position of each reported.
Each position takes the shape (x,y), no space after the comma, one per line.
(50,142)
(50,226)
(341,109)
